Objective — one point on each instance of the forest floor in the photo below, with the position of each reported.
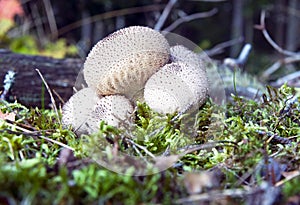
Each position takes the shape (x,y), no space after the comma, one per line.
(244,152)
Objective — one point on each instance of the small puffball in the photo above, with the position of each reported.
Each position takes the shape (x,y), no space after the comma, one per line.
(84,111)
(175,87)
(113,109)
(78,110)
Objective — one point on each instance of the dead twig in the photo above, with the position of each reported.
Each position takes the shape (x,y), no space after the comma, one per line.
(163,17)
(209,145)
(51,18)
(59,97)
(288,178)
(280,81)
(292,56)
(274,137)
(191,17)
(216,194)
(219,48)
(267,36)
(140,147)
(36,133)
(37,21)
(242,58)
(278,64)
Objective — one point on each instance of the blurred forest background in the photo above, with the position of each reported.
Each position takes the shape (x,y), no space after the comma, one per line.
(63,29)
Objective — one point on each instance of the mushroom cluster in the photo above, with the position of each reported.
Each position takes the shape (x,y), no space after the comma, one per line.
(135,63)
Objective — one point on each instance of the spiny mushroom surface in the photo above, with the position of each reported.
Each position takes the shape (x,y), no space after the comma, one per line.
(113,109)
(77,111)
(122,62)
(166,92)
(84,111)
(176,87)
(180,53)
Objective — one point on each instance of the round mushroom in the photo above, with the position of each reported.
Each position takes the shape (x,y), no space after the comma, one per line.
(78,109)
(180,53)
(122,62)
(113,109)
(176,87)
(84,111)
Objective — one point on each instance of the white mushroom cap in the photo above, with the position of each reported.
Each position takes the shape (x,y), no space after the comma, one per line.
(122,62)
(84,111)
(175,87)
(180,53)
(113,109)
(78,109)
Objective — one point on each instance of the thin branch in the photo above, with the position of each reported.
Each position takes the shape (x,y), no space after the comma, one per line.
(289,77)
(56,142)
(292,56)
(269,71)
(191,17)
(141,147)
(58,96)
(217,194)
(163,17)
(34,133)
(37,21)
(219,48)
(50,93)
(107,15)
(286,78)
(262,27)
(295,174)
(51,18)
(276,137)
(242,58)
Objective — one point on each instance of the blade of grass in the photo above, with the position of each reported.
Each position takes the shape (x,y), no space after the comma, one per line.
(50,93)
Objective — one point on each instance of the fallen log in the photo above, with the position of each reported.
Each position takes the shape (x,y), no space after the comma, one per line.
(61,75)
(28,88)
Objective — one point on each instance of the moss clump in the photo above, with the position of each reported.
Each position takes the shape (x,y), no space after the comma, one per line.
(249,142)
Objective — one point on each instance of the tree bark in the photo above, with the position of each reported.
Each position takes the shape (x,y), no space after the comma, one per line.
(279,22)
(292,33)
(237,26)
(28,88)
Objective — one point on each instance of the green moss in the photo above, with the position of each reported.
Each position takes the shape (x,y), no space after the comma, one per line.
(234,138)
(291,187)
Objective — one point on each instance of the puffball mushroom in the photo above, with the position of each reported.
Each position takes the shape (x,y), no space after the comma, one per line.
(78,109)
(177,86)
(122,62)
(113,109)
(164,91)
(84,111)
(180,53)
